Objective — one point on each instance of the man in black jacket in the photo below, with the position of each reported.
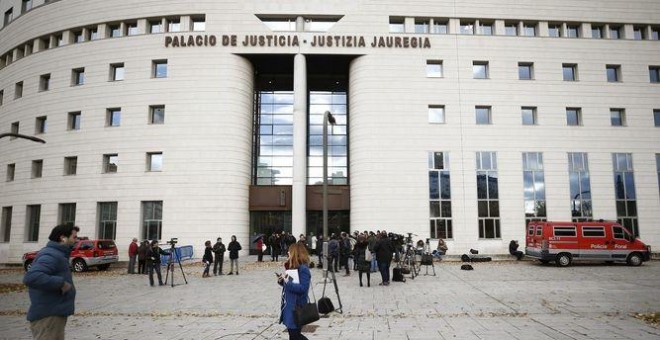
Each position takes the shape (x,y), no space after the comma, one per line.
(219,250)
(384,249)
(513,250)
(153,258)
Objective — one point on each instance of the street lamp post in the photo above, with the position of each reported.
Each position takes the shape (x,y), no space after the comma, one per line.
(327,118)
(18,135)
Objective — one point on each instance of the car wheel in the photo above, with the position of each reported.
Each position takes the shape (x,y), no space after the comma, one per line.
(27,265)
(634,260)
(563,260)
(104,267)
(79,265)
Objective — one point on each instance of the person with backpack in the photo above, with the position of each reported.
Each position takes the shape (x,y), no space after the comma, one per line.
(219,250)
(233,248)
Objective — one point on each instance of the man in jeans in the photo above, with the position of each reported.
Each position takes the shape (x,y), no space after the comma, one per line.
(51,290)
(132,254)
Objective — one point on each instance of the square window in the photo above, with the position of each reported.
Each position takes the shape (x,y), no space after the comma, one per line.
(486,28)
(155,26)
(638,33)
(422,26)
(573,117)
(157,114)
(74,120)
(113,117)
(159,68)
(78,76)
(525,71)
(110,163)
(115,31)
(199,24)
(11,171)
(554,30)
(570,72)
(155,161)
(483,115)
(615,32)
(26,5)
(132,28)
(117,72)
(596,32)
(44,82)
(93,33)
(572,31)
(70,165)
(654,74)
(37,167)
(655,33)
(656,117)
(529,30)
(439,26)
(41,125)
(529,116)
(78,37)
(618,117)
(511,28)
(173,25)
(397,25)
(437,114)
(613,73)
(480,69)
(18,90)
(434,68)
(467,27)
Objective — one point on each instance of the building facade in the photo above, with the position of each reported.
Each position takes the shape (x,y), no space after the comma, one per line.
(199,120)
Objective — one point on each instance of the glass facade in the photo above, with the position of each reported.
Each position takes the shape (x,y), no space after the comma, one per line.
(274,138)
(488,204)
(107,224)
(440,195)
(534,187)
(625,193)
(320,102)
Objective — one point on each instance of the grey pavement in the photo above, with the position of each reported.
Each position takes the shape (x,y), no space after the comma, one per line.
(498,300)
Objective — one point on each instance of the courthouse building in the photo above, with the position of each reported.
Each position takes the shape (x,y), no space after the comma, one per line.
(201,119)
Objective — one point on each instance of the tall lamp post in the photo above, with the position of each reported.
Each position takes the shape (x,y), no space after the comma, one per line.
(328,118)
(18,135)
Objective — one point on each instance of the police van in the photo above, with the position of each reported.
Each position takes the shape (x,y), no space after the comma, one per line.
(565,242)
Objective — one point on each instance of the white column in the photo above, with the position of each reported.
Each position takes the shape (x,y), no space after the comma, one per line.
(298,190)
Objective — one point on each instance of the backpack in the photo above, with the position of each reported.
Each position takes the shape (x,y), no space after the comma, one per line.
(466,267)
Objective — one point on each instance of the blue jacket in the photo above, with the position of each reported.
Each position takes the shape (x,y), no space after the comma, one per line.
(45,279)
(294,294)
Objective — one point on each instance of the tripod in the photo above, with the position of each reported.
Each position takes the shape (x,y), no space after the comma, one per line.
(170,266)
(326,264)
(408,261)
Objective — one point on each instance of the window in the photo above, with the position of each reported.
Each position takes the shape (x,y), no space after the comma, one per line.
(115,30)
(511,28)
(37,168)
(110,163)
(525,71)
(439,26)
(5,224)
(107,214)
(422,26)
(440,195)
(159,68)
(155,26)
(9,16)
(113,117)
(117,72)
(573,116)
(534,187)
(529,30)
(565,231)
(467,27)
(529,115)
(615,32)
(596,32)
(625,193)
(78,76)
(570,72)
(154,161)
(18,90)
(289,24)
(59,40)
(480,69)
(655,33)
(488,195)
(2,97)
(32,228)
(173,25)
(572,31)
(338,170)
(26,6)
(70,165)
(157,114)
(657,167)
(638,33)
(152,220)
(132,28)
(656,117)
(437,114)
(483,115)
(199,24)
(654,74)
(93,33)
(44,82)
(74,120)
(15,126)
(78,37)
(434,69)
(40,125)
(67,214)
(486,28)
(593,231)
(618,117)
(274,137)
(554,30)
(11,171)
(613,73)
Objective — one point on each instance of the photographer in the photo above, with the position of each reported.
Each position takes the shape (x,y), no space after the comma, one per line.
(384,249)
(153,262)
(219,250)
(233,248)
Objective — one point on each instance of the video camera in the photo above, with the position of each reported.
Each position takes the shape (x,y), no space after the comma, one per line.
(396,239)
(173,241)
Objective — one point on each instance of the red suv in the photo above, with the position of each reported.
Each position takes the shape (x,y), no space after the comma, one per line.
(85,253)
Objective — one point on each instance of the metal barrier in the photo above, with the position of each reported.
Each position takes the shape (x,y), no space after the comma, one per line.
(181,253)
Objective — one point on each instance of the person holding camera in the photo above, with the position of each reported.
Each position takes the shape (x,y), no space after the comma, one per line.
(294,294)
(219,250)
(153,262)
(233,248)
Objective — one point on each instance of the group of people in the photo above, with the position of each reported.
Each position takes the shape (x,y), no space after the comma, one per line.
(216,255)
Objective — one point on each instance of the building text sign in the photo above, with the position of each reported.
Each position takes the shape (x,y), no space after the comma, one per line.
(275,40)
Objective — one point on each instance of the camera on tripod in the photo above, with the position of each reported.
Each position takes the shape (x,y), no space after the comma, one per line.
(173,241)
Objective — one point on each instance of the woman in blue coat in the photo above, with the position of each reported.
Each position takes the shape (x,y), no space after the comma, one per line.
(294,294)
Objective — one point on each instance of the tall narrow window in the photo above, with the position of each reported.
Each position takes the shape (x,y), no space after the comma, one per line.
(44,82)
(534,187)
(618,117)
(157,114)
(488,204)
(116,71)
(110,163)
(573,116)
(570,72)
(580,185)
(656,117)
(18,90)
(480,69)
(33,219)
(70,165)
(437,114)
(74,120)
(113,117)
(37,168)
(9,16)
(159,68)
(78,76)
(2,97)
(440,195)
(638,32)
(40,125)
(654,74)
(657,167)
(655,33)
(67,214)
(154,161)
(11,171)
(5,224)
(335,102)
(94,33)
(529,115)
(274,139)
(613,73)
(525,71)
(434,68)
(15,128)
(107,214)
(625,193)
(152,220)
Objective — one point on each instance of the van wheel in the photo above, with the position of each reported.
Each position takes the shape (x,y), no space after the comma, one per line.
(564,260)
(635,259)
(79,265)
(28,265)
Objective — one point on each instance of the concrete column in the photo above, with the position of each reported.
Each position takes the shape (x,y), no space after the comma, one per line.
(543,29)
(299,187)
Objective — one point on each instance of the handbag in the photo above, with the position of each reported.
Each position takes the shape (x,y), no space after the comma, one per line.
(367,255)
(308,312)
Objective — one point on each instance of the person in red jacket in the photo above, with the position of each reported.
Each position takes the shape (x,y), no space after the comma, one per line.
(260,249)
(132,254)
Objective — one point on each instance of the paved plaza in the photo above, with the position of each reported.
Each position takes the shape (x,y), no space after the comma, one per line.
(498,300)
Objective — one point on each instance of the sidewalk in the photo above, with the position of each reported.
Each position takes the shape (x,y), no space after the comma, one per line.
(498,300)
